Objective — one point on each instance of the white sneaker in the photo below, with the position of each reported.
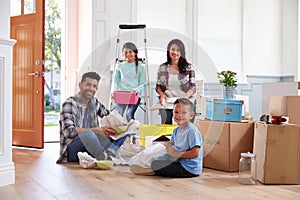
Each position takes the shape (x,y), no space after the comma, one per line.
(139,170)
(85,160)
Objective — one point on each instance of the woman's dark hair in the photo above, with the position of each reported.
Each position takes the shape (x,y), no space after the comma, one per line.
(92,75)
(132,47)
(183,63)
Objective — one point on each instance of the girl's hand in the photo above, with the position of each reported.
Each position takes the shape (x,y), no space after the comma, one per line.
(112,95)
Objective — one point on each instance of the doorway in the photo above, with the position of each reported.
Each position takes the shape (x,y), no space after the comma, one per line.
(52,87)
(36,25)
(27,28)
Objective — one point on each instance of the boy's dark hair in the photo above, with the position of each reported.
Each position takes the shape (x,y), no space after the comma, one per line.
(184,101)
(92,75)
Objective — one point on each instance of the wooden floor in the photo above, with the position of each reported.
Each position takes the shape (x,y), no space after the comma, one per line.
(38,177)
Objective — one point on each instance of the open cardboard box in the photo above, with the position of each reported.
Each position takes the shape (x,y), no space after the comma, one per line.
(277,149)
(286,106)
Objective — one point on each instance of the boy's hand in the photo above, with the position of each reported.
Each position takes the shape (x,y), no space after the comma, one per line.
(167,144)
(171,151)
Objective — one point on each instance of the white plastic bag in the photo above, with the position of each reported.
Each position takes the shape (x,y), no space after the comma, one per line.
(114,119)
(126,152)
(145,157)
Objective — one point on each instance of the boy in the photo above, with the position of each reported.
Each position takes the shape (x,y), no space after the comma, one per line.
(184,150)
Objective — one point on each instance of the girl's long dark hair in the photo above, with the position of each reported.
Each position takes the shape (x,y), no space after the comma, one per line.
(132,47)
(183,63)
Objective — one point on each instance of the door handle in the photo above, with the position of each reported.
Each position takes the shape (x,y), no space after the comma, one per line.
(37,74)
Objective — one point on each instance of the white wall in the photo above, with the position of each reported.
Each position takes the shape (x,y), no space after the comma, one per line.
(169,14)
(85,34)
(7,169)
(120,12)
(290,38)
(4,19)
(108,14)
(269,31)
(69,57)
(269,35)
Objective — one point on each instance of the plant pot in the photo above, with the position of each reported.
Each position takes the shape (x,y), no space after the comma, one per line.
(228,92)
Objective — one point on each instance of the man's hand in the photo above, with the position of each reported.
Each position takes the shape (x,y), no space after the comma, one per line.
(108,131)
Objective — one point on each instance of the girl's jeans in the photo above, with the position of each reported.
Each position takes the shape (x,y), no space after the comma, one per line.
(94,144)
(130,110)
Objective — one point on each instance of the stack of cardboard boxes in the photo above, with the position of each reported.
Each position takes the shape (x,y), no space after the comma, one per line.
(225,137)
(277,147)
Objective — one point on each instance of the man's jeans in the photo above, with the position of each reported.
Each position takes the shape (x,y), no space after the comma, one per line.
(94,144)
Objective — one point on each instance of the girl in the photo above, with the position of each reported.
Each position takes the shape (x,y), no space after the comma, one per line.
(130,76)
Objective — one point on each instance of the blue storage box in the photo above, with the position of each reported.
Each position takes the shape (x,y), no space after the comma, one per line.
(226,110)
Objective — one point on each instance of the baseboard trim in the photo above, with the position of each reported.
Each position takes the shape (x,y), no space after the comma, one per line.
(7,174)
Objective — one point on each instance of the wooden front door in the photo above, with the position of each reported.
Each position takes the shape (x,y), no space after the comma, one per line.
(27,28)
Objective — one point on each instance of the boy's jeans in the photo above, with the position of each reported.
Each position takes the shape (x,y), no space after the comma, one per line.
(94,144)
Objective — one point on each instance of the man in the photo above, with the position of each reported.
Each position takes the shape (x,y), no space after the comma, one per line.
(79,125)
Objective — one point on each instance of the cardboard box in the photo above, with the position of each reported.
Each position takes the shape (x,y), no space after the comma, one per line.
(223,143)
(277,149)
(229,110)
(277,89)
(286,106)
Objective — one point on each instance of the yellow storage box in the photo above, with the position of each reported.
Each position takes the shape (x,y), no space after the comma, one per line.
(154,130)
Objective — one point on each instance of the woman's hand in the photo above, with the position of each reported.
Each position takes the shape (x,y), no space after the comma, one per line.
(112,95)
(162,98)
(188,94)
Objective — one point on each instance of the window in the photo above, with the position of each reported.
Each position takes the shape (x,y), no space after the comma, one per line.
(220,32)
(21,7)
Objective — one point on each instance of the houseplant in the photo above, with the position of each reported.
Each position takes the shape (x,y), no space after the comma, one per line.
(229,80)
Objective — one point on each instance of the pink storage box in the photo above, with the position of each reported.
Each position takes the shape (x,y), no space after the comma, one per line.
(124,97)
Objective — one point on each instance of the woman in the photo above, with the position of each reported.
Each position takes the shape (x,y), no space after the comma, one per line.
(129,76)
(176,78)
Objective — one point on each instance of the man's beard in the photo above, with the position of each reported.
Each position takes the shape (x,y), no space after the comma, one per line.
(87,94)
